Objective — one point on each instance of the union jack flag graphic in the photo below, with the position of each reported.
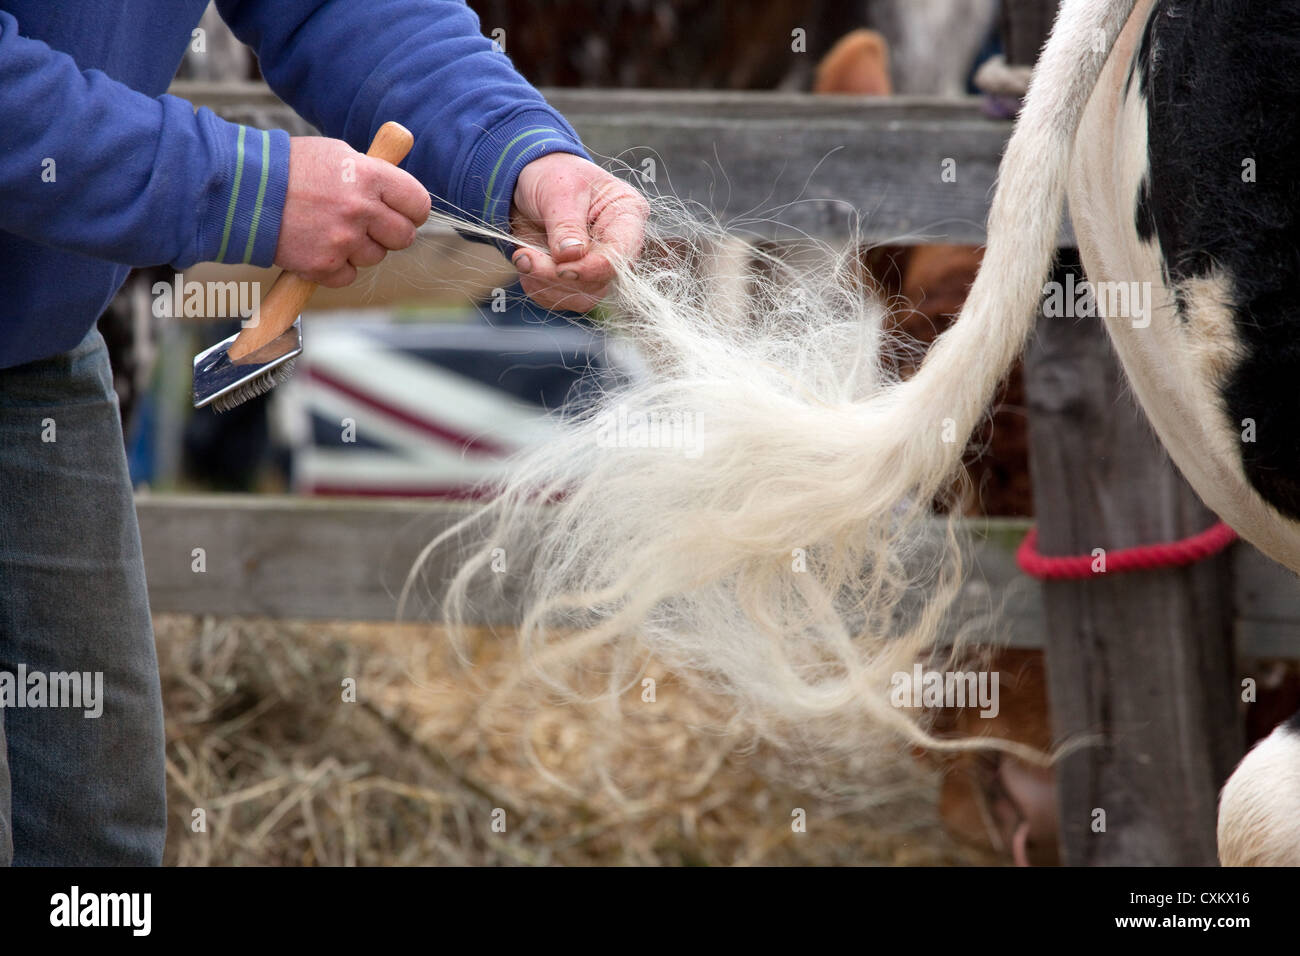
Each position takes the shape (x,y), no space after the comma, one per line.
(430,410)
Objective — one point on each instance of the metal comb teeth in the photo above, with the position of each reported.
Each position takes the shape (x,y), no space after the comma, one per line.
(258,386)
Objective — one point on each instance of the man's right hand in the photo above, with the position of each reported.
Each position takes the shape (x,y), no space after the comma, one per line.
(344,211)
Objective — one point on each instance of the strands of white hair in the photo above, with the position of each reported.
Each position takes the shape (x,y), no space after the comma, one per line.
(781,550)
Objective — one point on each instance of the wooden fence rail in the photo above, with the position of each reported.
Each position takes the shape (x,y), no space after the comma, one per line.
(776,163)
(346,559)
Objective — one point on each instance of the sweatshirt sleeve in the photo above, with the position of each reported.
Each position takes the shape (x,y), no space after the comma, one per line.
(90,165)
(350,67)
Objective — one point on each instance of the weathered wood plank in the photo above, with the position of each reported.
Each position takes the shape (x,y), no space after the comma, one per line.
(284,557)
(778,163)
(318,558)
(1267,601)
(1146,659)
(699,104)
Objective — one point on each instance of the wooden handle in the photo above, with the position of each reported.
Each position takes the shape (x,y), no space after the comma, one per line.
(289,293)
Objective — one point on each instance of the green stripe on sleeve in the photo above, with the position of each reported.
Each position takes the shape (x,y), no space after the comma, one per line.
(234,196)
(487,201)
(261,194)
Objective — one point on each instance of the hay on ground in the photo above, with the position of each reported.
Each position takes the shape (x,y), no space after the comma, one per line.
(436,764)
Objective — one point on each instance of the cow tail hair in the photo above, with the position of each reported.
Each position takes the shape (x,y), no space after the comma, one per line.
(784,556)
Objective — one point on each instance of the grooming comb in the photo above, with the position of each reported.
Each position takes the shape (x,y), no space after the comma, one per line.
(261,355)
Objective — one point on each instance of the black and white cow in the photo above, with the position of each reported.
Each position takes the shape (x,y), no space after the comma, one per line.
(1183,177)
(1171,127)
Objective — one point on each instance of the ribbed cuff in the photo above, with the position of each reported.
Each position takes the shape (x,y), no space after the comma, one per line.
(242,220)
(488,185)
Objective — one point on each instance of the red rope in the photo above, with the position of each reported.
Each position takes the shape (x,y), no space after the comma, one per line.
(1147,557)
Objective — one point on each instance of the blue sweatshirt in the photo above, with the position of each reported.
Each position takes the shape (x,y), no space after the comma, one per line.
(100,171)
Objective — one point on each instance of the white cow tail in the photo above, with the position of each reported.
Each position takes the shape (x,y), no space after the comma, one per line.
(963,368)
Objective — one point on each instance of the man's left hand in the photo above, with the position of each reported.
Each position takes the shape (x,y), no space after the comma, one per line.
(585,217)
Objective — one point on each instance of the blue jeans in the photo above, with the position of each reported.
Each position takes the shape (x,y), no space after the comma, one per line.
(74,789)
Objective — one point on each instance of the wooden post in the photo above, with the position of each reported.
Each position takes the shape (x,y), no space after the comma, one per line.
(1145,658)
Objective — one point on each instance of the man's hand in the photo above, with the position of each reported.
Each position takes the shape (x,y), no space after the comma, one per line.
(585,217)
(344,211)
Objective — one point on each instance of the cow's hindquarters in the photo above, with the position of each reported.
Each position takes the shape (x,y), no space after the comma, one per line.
(1176,363)
(1185,353)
